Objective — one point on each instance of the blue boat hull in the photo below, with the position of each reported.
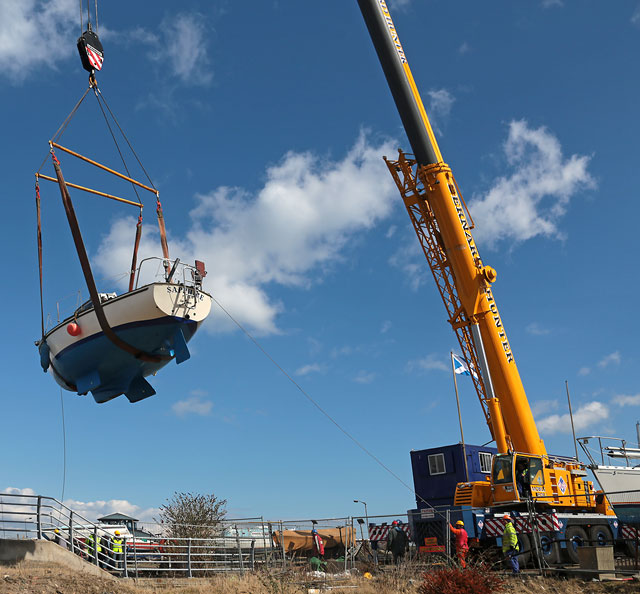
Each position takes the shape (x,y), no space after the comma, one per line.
(96,365)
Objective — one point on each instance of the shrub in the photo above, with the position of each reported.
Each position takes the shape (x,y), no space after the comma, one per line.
(454,580)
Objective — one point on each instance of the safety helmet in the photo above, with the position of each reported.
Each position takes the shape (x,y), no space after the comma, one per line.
(459,523)
(314,531)
(57,531)
(117,532)
(507,517)
(394,523)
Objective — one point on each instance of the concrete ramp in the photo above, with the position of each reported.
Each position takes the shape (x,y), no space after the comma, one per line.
(14,551)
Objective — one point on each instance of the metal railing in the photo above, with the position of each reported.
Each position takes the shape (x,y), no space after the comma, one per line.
(235,546)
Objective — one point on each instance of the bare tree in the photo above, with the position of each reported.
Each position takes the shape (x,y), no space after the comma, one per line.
(192,515)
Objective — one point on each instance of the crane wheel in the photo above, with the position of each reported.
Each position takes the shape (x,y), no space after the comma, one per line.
(524,544)
(550,549)
(600,536)
(576,537)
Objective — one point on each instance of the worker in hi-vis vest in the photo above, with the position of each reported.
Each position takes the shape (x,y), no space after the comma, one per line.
(93,549)
(116,549)
(510,544)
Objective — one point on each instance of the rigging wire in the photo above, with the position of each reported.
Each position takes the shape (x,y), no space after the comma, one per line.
(125,137)
(61,130)
(115,141)
(324,412)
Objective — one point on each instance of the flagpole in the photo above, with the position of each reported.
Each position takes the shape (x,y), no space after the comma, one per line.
(464,449)
(575,443)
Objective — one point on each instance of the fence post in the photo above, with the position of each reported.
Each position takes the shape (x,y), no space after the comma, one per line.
(445,533)
(284,560)
(135,554)
(124,554)
(72,544)
(39,517)
(189,574)
(239,550)
(95,544)
(253,552)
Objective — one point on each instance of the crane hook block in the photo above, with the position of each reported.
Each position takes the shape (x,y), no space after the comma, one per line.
(91,52)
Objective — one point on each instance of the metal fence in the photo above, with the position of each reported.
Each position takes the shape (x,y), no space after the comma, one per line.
(236,546)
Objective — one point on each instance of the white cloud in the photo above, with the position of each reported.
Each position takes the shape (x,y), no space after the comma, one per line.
(307,369)
(550,3)
(35,33)
(531,200)
(184,47)
(542,407)
(584,371)
(627,400)
(386,326)
(192,406)
(428,363)
(89,510)
(635,17)
(297,223)
(409,258)
(612,359)
(464,48)
(364,377)
(585,416)
(440,103)
(536,329)
(92,510)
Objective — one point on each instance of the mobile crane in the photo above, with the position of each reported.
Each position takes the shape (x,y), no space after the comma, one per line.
(443,225)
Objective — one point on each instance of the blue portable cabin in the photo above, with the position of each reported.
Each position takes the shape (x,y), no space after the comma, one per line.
(436,472)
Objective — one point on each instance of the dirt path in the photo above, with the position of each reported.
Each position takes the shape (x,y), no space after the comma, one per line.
(47,578)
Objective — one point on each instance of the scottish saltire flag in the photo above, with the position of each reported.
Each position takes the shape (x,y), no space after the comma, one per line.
(460,367)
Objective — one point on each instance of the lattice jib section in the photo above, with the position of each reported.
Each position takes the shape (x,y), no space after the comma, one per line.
(404,173)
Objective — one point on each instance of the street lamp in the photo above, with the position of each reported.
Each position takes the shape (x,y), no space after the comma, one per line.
(366,515)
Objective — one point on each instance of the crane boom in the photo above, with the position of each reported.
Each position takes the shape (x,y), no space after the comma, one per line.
(509,414)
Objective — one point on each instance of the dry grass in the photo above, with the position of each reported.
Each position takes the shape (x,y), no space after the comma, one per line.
(43,578)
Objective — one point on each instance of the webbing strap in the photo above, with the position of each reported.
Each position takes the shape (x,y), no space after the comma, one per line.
(39,240)
(163,230)
(88,275)
(134,259)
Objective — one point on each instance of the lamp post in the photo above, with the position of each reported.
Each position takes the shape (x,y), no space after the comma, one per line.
(366,515)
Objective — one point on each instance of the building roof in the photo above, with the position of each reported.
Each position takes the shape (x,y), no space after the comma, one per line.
(117,518)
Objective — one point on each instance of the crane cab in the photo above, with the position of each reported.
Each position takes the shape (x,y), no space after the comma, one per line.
(516,477)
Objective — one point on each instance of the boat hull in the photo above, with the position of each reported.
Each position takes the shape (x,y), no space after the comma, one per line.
(158,319)
(622,486)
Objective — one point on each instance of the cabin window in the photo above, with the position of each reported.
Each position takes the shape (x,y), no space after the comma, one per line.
(436,464)
(485,462)
(502,472)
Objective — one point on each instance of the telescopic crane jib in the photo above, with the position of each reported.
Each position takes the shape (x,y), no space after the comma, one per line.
(443,225)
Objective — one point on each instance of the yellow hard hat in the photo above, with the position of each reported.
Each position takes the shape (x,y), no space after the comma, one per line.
(459,523)
(117,532)
(57,531)
(367,575)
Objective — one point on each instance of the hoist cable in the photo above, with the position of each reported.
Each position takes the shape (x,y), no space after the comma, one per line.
(81,27)
(115,141)
(324,412)
(64,447)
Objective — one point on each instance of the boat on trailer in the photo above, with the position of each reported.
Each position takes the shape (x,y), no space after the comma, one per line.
(616,473)
(158,318)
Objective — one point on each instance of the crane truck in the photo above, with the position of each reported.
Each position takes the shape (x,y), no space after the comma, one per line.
(549,484)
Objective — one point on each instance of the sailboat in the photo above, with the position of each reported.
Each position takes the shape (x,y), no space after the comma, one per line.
(618,473)
(112,342)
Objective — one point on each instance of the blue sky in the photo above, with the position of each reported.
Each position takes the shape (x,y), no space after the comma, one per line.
(263,124)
